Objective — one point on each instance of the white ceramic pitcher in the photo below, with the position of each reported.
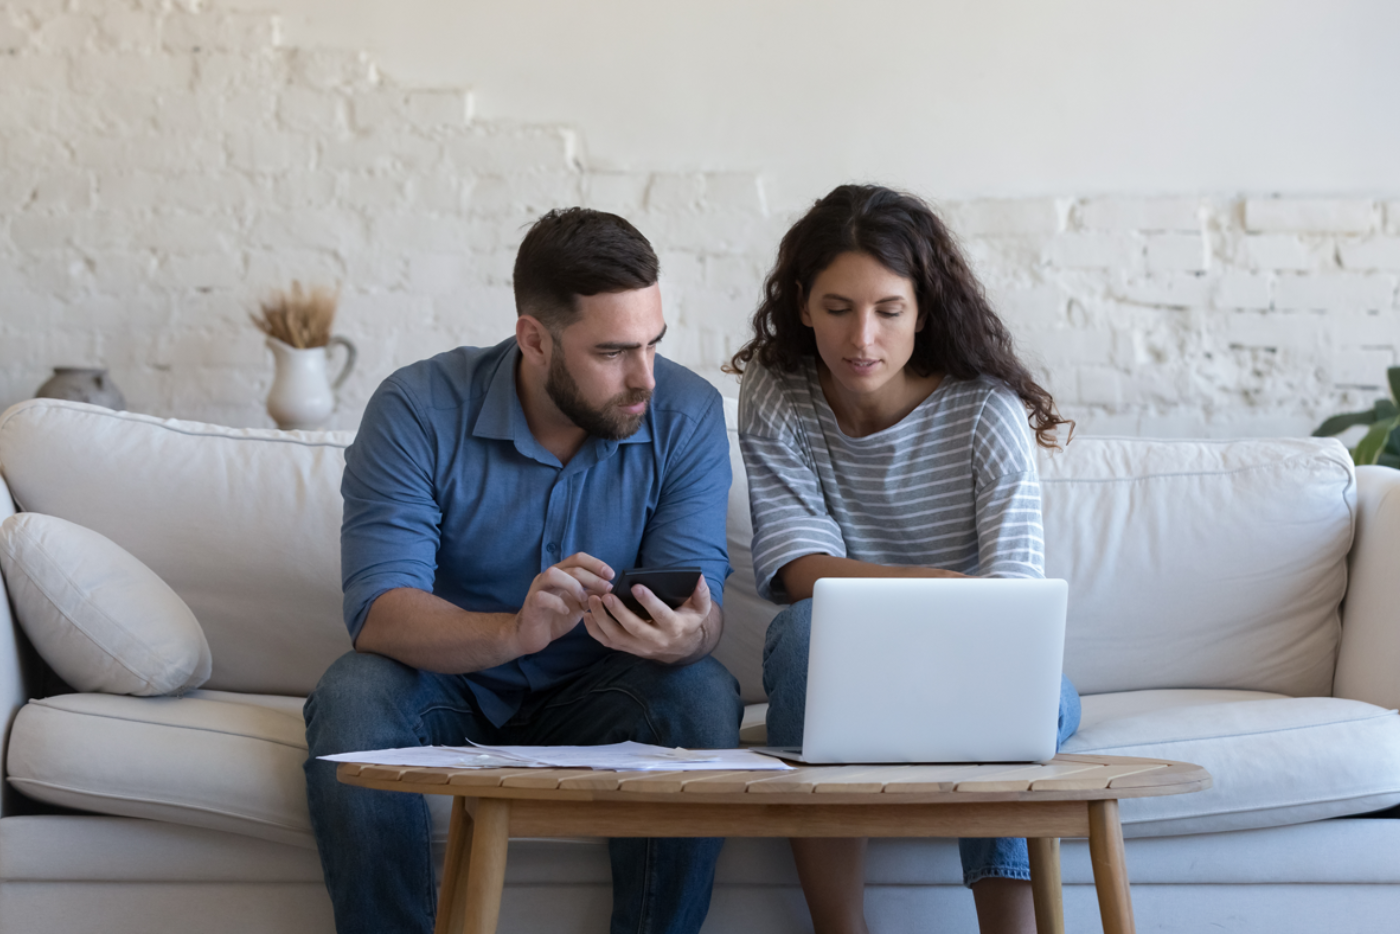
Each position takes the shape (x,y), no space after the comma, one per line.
(303,395)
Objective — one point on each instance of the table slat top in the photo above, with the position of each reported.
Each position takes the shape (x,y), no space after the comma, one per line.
(1078,776)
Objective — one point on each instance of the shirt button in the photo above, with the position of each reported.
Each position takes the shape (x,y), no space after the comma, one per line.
(552,548)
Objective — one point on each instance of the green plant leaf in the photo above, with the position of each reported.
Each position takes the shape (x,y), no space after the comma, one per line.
(1392,376)
(1369,447)
(1388,460)
(1340,423)
(1385,409)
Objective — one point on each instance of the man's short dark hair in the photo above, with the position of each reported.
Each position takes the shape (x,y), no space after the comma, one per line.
(578,251)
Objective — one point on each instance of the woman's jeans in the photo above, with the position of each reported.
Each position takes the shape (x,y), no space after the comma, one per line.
(785,680)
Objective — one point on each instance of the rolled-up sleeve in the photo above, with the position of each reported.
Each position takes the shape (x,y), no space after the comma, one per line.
(1010,536)
(390,530)
(687,527)
(789,510)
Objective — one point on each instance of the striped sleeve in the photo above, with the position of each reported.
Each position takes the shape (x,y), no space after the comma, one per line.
(790,517)
(1010,537)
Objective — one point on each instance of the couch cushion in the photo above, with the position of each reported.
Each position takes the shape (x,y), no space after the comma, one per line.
(211,760)
(190,760)
(234,763)
(242,523)
(746,614)
(1200,564)
(1192,564)
(100,618)
(1274,760)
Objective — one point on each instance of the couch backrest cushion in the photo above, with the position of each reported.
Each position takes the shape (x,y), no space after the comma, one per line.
(244,524)
(746,614)
(1191,563)
(1200,564)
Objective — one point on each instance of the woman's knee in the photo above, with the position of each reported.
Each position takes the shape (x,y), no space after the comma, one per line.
(786,643)
(1070,711)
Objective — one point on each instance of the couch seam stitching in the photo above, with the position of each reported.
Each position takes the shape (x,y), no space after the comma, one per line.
(175,726)
(160,423)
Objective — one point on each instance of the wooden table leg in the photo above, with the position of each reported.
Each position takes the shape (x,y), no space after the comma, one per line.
(1110,867)
(1045,884)
(485,872)
(454,870)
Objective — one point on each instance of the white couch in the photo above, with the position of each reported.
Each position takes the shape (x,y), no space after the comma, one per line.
(1207,625)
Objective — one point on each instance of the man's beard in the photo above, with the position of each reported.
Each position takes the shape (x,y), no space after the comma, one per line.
(605,421)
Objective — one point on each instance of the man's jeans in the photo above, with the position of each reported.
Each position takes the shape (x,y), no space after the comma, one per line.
(376,845)
(785,680)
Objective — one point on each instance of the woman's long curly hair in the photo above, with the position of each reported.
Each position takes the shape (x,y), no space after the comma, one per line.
(962,336)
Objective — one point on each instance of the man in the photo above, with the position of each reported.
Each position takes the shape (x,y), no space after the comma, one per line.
(491,495)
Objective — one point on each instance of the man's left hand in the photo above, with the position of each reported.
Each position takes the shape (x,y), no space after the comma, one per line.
(670,636)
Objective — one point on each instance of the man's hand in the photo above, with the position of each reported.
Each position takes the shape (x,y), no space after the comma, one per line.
(558,597)
(684,634)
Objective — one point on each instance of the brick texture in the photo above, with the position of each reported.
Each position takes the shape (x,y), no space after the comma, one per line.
(164,165)
(1310,215)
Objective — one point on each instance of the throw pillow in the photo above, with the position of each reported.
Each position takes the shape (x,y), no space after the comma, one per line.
(101,619)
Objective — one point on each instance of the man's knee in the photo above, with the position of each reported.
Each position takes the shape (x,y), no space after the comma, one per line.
(697,705)
(352,703)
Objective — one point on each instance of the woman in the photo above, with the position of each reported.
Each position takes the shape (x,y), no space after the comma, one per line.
(883,422)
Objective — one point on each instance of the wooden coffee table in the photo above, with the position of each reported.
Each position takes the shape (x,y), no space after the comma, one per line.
(1071,796)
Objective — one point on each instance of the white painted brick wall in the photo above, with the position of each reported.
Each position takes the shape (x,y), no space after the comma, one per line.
(1239,289)
(1371,253)
(12,38)
(1335,292)
(1166,290)
(1178,251)
(167,163)
(1313,215)
(1279,251)
(1095,251)
(1003,217)
(1142,214)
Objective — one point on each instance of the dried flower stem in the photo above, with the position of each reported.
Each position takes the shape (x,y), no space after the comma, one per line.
(299,317)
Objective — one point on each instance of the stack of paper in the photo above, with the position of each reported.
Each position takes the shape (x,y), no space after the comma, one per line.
(621,757)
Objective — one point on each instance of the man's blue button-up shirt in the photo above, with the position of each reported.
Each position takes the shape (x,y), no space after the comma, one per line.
(446,490)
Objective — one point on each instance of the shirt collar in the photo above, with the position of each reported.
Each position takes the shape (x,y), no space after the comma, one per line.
(502,417)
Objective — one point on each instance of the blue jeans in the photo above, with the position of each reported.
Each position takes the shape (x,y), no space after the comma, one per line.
(376,846)
(785,680)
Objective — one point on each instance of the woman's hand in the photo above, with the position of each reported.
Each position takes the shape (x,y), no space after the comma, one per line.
(800,575)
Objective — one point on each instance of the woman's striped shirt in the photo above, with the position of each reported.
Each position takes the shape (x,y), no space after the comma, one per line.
(952,485)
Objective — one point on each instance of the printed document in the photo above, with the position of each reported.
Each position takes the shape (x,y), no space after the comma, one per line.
(620,757)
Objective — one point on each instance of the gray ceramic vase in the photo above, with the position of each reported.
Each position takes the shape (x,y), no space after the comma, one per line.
(82,384)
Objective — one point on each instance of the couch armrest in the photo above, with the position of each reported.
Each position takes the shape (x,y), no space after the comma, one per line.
(1368,663)
(12,687)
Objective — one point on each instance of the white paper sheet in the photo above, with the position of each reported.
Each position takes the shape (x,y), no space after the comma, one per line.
(622,757)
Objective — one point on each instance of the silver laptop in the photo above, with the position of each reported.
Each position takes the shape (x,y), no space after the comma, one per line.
(941,670)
